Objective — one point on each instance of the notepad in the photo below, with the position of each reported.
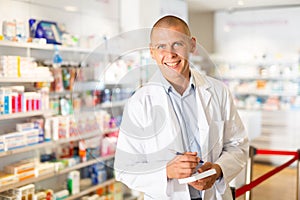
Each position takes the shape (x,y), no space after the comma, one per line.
(197,176)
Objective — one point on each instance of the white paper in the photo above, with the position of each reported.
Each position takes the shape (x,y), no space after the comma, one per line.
(197,176)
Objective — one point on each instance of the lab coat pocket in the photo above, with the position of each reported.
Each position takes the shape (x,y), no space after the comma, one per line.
(216,129)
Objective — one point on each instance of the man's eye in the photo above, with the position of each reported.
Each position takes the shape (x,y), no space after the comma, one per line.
(161,46)
(178,44)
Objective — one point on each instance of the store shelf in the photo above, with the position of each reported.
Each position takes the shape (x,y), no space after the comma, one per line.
(90,189)
(267,93)
(80,86)
(25,114)
(25,149)
(78,137)
(112,104)
(104,106)
(275,78)
(54,143)
(48,47)
(85,164)
(25,182)
(50,175)
(63,93)
(25,79)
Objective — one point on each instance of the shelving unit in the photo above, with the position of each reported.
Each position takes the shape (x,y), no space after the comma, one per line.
(47,47)
(90,189)
(47,176)
(25,80)
(72,56)
(271,91)
(26,114)
(106,105)
(54,143)
(46,52)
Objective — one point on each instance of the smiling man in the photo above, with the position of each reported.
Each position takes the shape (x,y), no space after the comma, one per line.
(184,111)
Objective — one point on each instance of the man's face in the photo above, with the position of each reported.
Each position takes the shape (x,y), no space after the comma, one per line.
(170,48)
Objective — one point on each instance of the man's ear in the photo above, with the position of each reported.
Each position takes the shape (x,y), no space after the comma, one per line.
(151,51)
(193,44)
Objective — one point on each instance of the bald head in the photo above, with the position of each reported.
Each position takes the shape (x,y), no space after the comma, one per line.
(171,21)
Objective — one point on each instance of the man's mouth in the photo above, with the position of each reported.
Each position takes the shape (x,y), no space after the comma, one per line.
(172,64)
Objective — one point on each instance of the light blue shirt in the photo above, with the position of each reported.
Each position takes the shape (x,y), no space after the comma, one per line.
(185,107)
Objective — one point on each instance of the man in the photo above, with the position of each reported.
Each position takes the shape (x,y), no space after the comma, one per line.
(184,111)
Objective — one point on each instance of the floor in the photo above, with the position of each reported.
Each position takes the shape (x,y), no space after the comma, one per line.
(278,187)
(281,186)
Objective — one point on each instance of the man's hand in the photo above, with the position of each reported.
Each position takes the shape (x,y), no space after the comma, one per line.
(208,182)
(182,166)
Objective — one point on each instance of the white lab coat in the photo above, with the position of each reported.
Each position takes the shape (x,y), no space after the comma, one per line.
(150,127)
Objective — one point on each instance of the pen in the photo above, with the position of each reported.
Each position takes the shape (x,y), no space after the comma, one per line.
(179,153)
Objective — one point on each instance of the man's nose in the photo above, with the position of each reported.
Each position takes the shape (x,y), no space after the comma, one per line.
(170,51)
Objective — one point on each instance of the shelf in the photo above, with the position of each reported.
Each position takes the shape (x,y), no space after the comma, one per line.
(25,182)
(25,79)
(25,149)
(85,164)
(268,93)
(25,114)
(90,189)
(112,104)
(47,47)
(80,86)
(275,78)
(53,143)
(104,106)
(52,174)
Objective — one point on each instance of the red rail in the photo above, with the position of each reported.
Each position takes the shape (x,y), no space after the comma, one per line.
(240,191)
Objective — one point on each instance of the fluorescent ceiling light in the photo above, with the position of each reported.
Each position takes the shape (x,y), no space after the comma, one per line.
(71,8)
(240,2)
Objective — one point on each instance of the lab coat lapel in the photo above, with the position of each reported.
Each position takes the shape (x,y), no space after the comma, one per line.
(203,98)
(171,115)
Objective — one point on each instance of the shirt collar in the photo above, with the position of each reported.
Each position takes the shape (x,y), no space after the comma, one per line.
(168,87)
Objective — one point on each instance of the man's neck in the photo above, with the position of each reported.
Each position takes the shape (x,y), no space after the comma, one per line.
(180,84)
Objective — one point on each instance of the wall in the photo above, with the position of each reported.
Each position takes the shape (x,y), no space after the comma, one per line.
(202,27)
(136,14)
(258,32)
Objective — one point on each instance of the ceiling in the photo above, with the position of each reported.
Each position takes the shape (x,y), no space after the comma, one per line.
(214,5)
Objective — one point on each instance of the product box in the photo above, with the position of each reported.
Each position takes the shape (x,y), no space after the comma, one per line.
(44,168)
(33,140)
(6,100)
(26,175)
(73,182)
(93,197)
(2,146)
(14,140)
(31,133)
(6,179)
(25,192)
(115,187)
(20,167)
(98,173)
(24,126)
(32,136)
(63,127)
(2,143)
(44,195)
(8,195)
(1,104)
(39,125)
(61,195)
(47,130)
(40,195)
(55,128)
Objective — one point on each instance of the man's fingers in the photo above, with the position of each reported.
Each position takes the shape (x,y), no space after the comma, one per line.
(206,166)
(188,158)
